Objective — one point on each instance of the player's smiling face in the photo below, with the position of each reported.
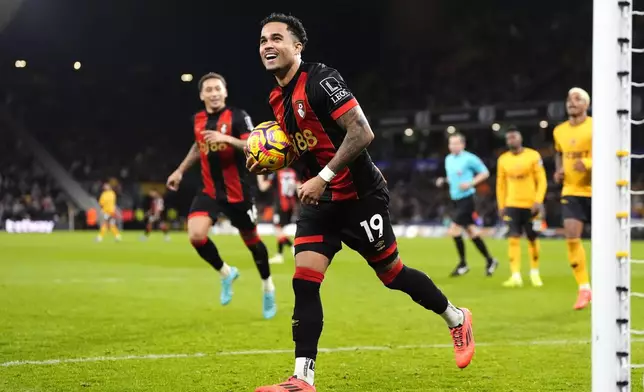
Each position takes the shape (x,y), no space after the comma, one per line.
(278,48)
(576,105)
(213,94)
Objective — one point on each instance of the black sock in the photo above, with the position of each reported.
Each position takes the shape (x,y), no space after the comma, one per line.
(208,251)
(260,255)
(280,246)
(307,317)
(460,246)
(480,245)
(420,288)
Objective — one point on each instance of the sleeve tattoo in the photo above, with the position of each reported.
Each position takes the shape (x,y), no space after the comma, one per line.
(359,136)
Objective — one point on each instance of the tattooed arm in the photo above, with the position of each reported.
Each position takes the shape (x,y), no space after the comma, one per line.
(190,159)
(359,136)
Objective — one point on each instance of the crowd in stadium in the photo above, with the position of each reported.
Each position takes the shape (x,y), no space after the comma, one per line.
(26,190)
(92,141)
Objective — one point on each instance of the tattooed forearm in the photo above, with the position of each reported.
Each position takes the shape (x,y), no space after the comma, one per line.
(190,159)
(359,136)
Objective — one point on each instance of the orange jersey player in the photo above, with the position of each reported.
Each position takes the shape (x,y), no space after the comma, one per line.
(107,201)
(574,161)
(520,189)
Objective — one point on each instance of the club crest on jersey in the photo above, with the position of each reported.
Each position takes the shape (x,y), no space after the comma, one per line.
(224,128)
(300,108)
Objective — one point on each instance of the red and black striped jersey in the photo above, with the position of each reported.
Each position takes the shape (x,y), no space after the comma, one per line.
(156,205)
(223,167)
(284,183)
(307,108)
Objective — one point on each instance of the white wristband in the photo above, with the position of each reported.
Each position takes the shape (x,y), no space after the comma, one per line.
(326,174)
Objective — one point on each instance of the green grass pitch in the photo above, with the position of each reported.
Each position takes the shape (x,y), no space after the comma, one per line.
(144,316)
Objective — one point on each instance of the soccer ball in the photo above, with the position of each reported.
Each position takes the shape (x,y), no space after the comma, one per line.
(270,146)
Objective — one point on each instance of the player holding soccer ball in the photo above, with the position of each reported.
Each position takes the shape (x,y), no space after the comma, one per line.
(220,134)
(344,196)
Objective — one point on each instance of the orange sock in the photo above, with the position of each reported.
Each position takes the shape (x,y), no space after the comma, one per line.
(514,252)
(534,248)
(577,259)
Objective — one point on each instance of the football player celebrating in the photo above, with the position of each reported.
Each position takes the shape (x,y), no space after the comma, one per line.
(220,134)
(344,196)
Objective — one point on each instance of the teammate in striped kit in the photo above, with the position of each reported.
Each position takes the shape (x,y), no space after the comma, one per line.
(284,184)
(220,137)
(153,216)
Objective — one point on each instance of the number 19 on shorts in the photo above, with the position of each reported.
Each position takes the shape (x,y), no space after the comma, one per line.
(374,226)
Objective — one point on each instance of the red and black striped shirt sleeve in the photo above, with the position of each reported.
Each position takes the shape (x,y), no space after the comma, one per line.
(242,124)
(329,93)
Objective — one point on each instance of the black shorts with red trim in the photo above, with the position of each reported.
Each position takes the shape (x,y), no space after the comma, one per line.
(242,215)
(282,217)
(363,225)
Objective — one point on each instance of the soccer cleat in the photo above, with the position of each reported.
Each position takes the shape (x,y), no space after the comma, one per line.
(513,281)
(460,270)
(492,264)
(583,299)
(99,239)
(463,338)
(269,305)
(227,286)
(293,384)
(277,259)
(535,278)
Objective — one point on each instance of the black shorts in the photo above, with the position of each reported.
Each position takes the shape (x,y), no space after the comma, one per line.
(282,217)
(520,220)
(576,207)
(363,225)
(462,211)
(154,220)
(243,215)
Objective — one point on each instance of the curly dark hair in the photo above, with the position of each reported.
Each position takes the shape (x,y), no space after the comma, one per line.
(295,25)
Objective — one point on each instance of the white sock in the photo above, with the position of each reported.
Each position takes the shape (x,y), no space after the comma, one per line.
(267,284)
(224,271)
(453,316)
(516,275)
(534,271)
(585,286)
(305,369)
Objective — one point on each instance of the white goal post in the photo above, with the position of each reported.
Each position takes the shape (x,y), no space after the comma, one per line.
(611,242)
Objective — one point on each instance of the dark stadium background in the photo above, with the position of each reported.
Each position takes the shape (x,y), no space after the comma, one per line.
(125,114)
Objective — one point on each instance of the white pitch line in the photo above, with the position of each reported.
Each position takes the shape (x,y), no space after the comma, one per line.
(289,351)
